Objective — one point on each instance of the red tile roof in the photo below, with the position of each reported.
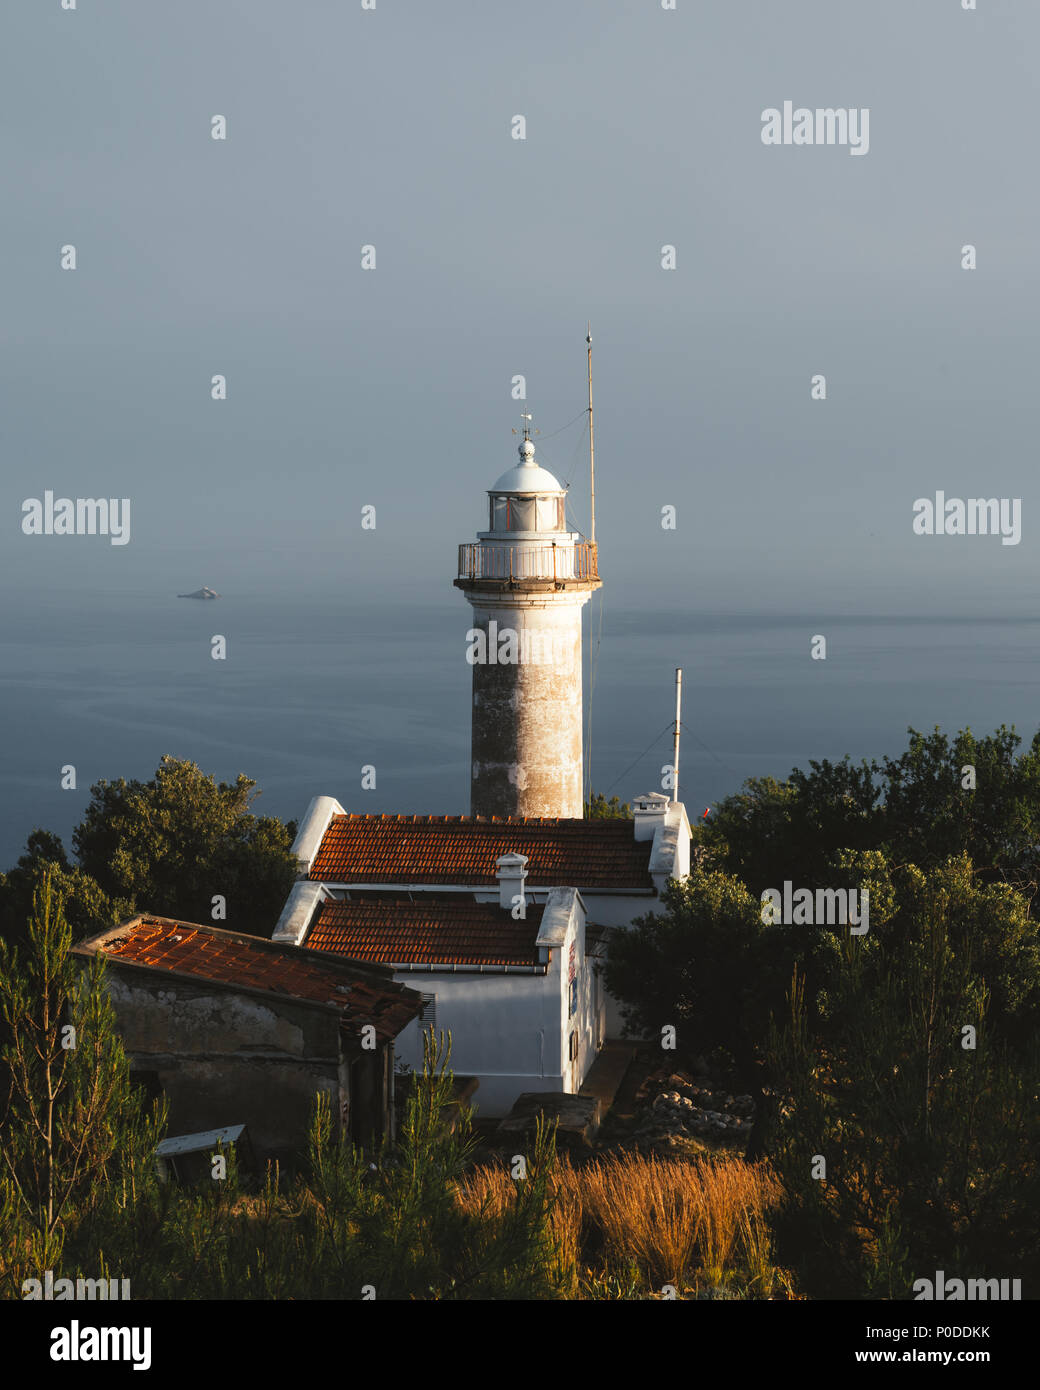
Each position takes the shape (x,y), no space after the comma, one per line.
(593,855)
(366,994)
(436,933)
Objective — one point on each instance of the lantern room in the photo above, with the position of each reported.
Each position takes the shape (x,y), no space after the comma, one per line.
(527,499)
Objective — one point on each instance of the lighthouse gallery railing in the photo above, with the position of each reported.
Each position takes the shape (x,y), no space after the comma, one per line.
(555,562)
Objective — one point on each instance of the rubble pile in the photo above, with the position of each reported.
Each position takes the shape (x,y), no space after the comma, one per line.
(681,1109)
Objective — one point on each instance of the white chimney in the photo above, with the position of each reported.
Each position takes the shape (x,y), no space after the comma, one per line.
(512,870)
(648,812)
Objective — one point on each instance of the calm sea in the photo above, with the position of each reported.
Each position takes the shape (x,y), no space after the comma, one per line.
(314,689)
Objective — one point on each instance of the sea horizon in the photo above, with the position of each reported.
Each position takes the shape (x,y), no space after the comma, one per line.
(316,686)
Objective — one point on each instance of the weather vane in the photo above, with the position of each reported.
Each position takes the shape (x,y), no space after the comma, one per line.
(526,426)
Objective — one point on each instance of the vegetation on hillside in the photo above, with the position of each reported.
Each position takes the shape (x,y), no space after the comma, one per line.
(80,1194)
(897,1069)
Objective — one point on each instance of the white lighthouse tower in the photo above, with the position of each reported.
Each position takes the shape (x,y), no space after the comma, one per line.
(528,579)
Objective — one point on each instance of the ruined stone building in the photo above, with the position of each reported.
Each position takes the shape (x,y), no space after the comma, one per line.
(240,1030)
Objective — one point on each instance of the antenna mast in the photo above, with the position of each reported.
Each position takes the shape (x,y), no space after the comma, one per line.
(675,736)
(592,447)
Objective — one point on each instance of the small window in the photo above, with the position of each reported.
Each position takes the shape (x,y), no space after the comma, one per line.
(428,1014)
(572,1051)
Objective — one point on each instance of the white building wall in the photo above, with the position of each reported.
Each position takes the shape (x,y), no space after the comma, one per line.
(583,1021)
(502,1031)
(510,1030)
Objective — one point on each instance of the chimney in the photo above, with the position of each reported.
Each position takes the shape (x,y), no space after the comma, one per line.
(512,870)
(648,813)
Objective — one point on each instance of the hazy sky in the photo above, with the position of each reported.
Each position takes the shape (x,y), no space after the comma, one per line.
(392,387)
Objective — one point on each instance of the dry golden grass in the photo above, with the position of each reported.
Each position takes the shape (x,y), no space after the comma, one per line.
(648,1211)
(685,1223)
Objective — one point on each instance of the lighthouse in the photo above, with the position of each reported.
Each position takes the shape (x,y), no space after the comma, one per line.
(527,578)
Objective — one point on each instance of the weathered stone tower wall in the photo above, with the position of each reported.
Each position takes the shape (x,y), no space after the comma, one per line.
(527,713)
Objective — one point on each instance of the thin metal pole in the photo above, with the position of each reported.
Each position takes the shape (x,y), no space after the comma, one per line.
(592,446)
(675,737)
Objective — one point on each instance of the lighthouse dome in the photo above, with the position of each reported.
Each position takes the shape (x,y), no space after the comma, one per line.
(527,476)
